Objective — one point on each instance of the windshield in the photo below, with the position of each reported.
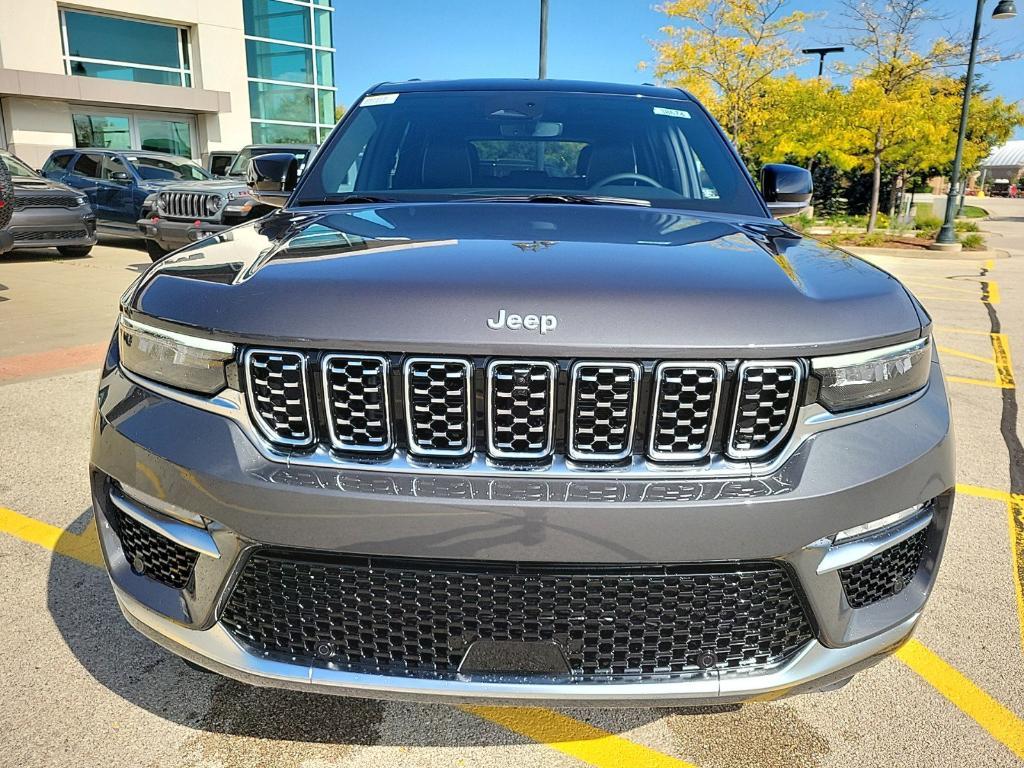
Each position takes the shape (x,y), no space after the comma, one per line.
(468,144)
(16,167)
(154,168)
(241,164)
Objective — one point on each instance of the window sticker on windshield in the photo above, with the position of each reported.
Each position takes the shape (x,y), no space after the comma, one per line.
(380,98)
(671,112)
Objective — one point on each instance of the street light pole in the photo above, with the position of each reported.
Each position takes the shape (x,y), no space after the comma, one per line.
(542,70)
(821,54)
(947,235)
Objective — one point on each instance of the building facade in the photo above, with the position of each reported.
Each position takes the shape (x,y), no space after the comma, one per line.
(187,77)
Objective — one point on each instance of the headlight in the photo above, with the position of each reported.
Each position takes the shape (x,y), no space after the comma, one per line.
(81,200)
(865,378)
(175,359)
(213,204)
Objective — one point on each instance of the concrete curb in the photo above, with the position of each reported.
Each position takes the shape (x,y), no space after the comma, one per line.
(923,253)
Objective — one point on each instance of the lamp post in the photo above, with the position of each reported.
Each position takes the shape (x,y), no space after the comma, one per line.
(821,53)
(542,69)
(1006,9)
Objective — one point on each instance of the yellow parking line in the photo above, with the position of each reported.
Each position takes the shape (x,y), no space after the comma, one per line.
(983,492)
(966,355)
(1000,362)
(1015,513)
(575,738)
(83,547)
(1002,724)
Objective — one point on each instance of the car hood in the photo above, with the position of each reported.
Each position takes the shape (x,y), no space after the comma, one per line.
(209,185)
(25,184)
(622,281)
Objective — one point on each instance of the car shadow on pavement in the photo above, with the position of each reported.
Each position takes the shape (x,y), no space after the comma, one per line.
(83,608)
(39,254)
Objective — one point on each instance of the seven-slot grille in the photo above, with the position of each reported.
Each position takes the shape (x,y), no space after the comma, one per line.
(766,400)
(439,406)
(401,616)
(430,406)
(684,409)
(520,412)
(603,410)
(277,395)
(356,400)
(189,205)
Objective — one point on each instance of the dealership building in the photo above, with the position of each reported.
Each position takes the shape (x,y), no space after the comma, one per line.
(181,76)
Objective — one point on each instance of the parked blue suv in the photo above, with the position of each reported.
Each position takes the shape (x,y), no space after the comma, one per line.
(118,181)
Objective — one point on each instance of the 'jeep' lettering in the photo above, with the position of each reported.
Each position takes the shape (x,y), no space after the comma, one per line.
(514,322)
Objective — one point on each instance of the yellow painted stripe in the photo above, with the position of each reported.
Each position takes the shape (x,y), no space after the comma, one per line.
(575,738)
(1015,513)
(83,547)
(966,355)
(991,293)
(977,382)
(1004,367)
(983,492)
(1002,724)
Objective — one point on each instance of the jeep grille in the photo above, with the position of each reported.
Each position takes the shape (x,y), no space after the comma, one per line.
(523,410)
(189,205)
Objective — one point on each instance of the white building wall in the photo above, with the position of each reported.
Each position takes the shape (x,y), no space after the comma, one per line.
(30,42)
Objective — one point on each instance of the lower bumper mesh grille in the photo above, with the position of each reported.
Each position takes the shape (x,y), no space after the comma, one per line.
(413,616)
(885,574)
(149,553)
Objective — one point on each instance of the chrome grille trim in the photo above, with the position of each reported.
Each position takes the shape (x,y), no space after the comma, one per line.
(573,449)
(735,448)
(188,205)
(661,372)
(422,364)
(255,407)
(329,368)
(549,407)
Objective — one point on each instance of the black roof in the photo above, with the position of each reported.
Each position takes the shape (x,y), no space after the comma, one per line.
(530,84)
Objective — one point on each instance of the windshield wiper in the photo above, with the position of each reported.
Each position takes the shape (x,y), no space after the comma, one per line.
(558,197)
(352,199)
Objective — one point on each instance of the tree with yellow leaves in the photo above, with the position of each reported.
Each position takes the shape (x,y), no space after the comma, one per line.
(726,53)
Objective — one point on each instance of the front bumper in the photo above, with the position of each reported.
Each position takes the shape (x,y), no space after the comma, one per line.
(171,235)
(185,462)
(53,227)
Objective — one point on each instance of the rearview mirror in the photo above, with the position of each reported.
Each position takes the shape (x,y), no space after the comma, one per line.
(271,178)
(786,189)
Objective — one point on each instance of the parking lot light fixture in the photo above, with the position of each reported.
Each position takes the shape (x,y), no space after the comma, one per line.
(1004,10)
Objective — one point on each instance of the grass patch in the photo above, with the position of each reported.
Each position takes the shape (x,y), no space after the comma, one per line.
(972,241)
(973,212)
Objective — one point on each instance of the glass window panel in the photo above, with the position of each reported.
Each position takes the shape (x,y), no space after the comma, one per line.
(270,61)
(281,102)
(322,23)
(171,136)
(268,133)
(323,2)
(278,21)
(111,132)
(324,68)
(105,37)
(324,133)
(124,72)
(326,99)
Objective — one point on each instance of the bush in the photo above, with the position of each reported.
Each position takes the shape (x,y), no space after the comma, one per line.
(965,226)
(973,242)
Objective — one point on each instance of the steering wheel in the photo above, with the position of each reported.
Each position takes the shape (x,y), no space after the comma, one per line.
(622,176)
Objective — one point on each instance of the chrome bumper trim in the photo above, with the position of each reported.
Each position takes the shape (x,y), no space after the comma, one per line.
(857,550)
(217,650)
(189,536)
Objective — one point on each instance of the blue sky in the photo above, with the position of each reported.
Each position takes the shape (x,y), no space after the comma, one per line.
(587,39)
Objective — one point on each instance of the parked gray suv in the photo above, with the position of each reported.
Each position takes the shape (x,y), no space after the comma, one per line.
(523,395)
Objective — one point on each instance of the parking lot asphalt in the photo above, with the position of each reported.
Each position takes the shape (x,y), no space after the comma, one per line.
(78,687)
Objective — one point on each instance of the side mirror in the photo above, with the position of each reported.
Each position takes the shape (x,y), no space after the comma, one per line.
(271,178)
(120,176)
(787,189)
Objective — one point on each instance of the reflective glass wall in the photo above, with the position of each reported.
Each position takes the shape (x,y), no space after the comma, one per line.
(290,59)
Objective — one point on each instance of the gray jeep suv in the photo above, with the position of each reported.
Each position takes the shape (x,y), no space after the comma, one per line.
(523,394)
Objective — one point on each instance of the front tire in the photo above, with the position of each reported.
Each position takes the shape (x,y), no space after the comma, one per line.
(155,251)
(74,251)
